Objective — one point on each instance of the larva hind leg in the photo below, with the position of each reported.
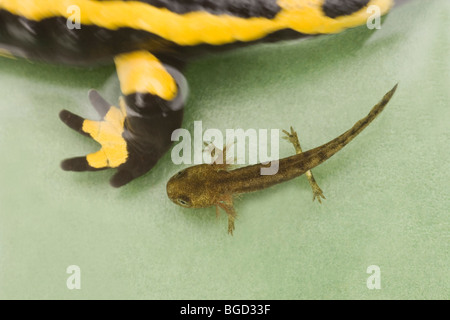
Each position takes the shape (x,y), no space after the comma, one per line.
(292,137)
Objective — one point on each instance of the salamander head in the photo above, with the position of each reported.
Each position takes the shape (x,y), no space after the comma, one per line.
(191,187)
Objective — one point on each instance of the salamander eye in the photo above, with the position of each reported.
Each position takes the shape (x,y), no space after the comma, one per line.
(183,202)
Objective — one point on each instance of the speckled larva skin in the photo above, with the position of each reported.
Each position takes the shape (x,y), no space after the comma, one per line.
(208,185)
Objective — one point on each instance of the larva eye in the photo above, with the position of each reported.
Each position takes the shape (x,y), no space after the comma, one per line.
(183,202)
(180,173)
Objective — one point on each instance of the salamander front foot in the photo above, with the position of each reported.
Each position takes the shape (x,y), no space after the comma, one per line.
(120,148)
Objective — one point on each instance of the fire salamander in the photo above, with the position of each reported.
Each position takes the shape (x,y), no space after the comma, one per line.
(150,41)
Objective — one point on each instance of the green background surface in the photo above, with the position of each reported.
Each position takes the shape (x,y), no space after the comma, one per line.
(387,192)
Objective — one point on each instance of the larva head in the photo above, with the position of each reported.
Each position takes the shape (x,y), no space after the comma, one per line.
(192,187)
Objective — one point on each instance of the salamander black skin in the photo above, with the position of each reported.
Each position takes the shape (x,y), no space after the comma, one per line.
(150,41)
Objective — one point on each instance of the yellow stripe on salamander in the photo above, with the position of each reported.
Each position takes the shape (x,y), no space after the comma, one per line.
(141,72)
(197,27)
(109,134)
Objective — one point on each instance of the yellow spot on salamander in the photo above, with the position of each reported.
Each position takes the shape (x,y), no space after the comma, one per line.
(142,72)
(109,134)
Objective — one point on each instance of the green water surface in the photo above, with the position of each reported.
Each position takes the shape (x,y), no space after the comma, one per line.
(387,192)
